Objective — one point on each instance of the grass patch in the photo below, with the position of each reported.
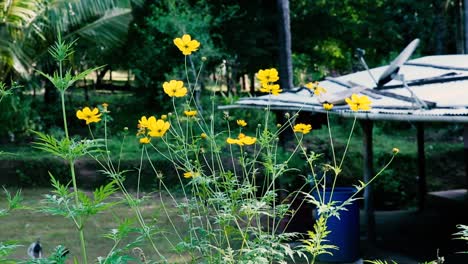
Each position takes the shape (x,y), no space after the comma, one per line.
(25,226)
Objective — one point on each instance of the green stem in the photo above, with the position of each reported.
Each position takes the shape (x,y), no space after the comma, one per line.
(72,171)
(79,219)
(64,115)
(347,144)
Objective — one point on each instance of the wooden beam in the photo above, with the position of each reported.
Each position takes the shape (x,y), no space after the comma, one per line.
(367,126)
(422,185)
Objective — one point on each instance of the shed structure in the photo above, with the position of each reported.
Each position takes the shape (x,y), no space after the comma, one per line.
(438,82)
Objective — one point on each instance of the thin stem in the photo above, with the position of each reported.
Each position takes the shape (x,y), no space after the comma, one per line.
(64,115)
(347,144)
(80,220)
(331,139)
(72,171)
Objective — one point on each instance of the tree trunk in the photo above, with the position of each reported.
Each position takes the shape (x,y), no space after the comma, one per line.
(285,62)
(101,75)
(440,27)
(285,54)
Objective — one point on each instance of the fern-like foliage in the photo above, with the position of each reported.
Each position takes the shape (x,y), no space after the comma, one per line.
(316,243)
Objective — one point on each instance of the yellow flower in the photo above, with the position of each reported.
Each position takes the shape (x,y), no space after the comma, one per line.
(145,140)
(190,113)
(104,106)
(246,140)
(203,135)
(267,76)
(302,128)
(163,117)
(314,86)
(143,122)
(395,150)
(242,140)
(191,174)
(233,141)
(273,89)
(357,102)
(157,128)
(241,122)
(186,44)
(175,88)
(89,115)
(327,107)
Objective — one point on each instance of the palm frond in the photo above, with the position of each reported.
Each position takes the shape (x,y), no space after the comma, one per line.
(108,31)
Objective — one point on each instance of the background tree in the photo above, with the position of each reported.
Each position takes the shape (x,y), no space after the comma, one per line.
(28,27)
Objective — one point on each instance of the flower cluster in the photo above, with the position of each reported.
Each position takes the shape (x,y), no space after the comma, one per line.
(151,127)
(227,196)
(242,140)
(267,78)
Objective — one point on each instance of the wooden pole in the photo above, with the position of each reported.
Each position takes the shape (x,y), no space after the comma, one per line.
(465,146)
(465,25)
(367,126)
(422,186)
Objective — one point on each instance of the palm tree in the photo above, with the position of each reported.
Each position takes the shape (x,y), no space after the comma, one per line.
(29,27)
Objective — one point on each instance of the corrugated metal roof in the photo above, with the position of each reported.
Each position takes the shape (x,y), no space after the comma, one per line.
(442,80)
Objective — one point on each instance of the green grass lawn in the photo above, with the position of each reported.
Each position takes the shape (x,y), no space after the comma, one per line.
(25,226)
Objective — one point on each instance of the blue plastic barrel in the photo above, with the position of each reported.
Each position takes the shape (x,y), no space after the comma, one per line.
(344,231)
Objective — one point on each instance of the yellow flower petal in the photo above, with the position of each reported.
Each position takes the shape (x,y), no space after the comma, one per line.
(246,140)
(232,141)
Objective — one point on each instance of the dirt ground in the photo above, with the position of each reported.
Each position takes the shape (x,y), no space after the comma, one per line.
(413,236)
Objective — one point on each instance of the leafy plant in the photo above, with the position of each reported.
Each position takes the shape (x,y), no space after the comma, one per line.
(230,176)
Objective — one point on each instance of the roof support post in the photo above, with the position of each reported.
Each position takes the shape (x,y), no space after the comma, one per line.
(465,146)
(367,126)
(422,185)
